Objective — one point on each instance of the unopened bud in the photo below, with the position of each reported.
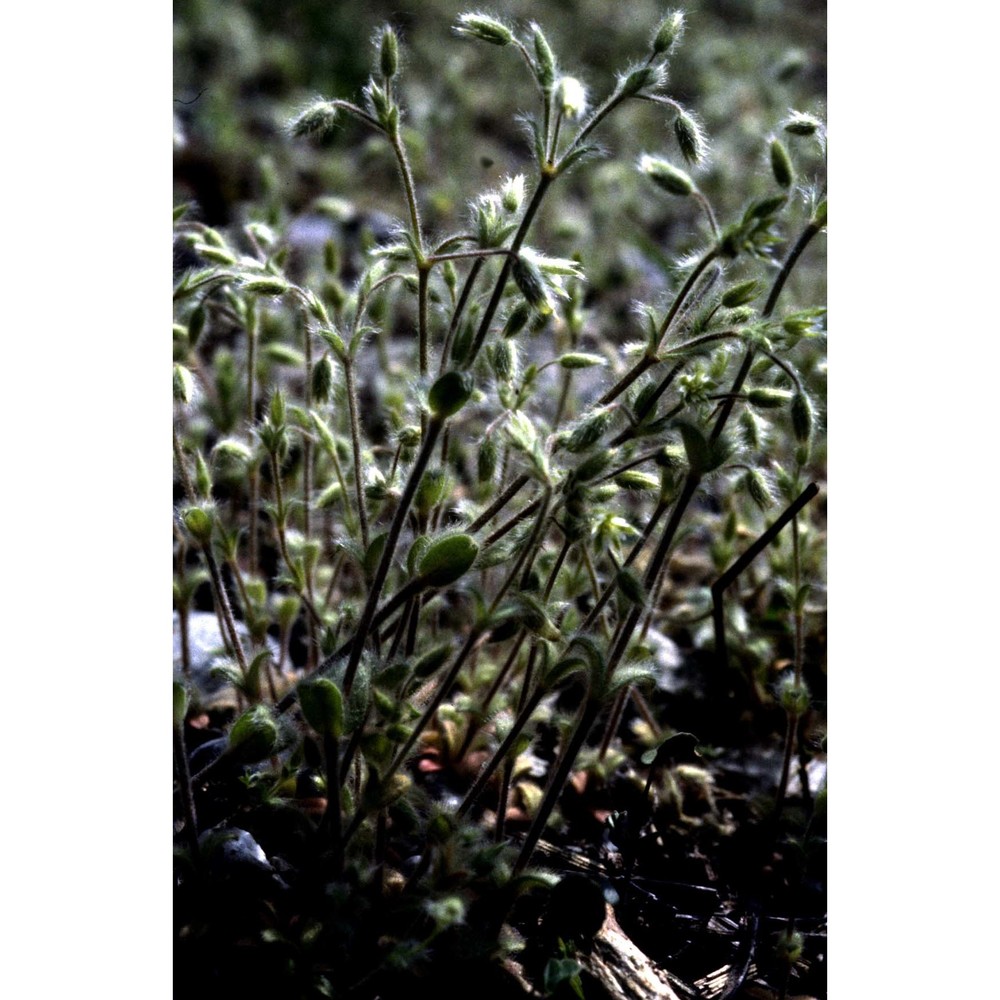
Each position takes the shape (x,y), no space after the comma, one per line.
(199,521)
(388,52)
(799,123)
(690,137)
(183,384)
(512,193)
(484,28)
(322,379)
(316,121)
(545,61)
(670,29)
(266,285)
(802,417)
(202,477)
(781,164)
(529,280)
(571,97)
(666,176)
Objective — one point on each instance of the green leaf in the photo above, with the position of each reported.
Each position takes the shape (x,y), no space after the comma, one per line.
(696,447)
(373,555)
(253,736)
(447,559)
(678,747)
(432,660)
(562,970)
(450,393)
(358,700)
(181,700)
(630,584)
(579,359)
(323,706)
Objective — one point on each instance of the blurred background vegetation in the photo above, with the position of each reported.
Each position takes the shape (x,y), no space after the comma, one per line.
(243,68)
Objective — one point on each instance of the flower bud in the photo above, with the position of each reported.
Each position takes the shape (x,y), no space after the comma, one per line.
(802,417)
(486,461)
(666,176)
(793,695)
(266,285)
(545,61)
(758,489)
(316,121)
(503,360)
(484,28)
(183,384)
(579,359)
(277,408)
(766,398)
(199,521)
(512,193)
(669,30)
(409,436)
(322,379)
(433,489)
(517,320)
(781,164)
(690,137)
(738,295)
(202,477)
(571,98)
(639,78)
(388,52)
(799,123)
(528,278)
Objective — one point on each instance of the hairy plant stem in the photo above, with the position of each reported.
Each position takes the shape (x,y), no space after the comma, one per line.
(352,411)
(476,637)
(224,609)
(463,299)
(650,358)
(332,820)
(544,181)
(693,479)
(423,275)
(312,644)
(187,794)
(772,300)
(434,427)
(281,534)
(501,501)
(474,727)
(588,716)
(252,324)
(182,468)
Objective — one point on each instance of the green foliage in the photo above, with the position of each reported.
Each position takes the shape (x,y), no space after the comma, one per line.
(469,490)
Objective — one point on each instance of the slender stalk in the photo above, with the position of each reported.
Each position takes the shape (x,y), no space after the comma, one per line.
(252,330)
(423,274)
(434,428)
(187,795)
(331,818)
(588,715)
(501,501)
(522,231)
(352,410)
(772,300)
(456,316)
(223,608)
